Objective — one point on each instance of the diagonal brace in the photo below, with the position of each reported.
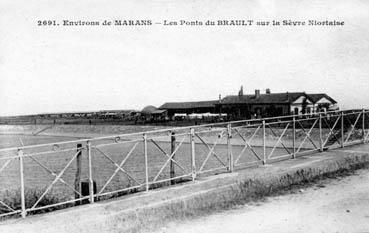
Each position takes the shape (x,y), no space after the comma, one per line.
(353,128)
(169,159)
(166,154)
(247,145)
(279,139)
(211,152)
(55,180)
(307,135)
(117,165)
(331,130)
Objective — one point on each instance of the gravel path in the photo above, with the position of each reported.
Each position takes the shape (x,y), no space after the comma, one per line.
(334,205)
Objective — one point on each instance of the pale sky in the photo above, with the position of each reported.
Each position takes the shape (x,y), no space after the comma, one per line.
(60,69)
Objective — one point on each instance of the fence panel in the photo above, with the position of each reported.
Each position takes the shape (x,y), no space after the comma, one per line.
(45,177)
(352,128)
(307,135)
(10,189)
(50,176)
(331,131)
(247,143)
(169,158)
(116,167)
(211,149)
(279,140)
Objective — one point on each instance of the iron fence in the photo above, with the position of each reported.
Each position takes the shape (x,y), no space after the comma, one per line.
(63,174)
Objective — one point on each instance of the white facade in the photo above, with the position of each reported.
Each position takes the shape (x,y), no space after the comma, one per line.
(322,105)
(297,106)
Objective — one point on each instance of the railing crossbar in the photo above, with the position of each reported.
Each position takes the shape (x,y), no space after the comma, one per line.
(117,143)
(211,151)
(166,154)
(307,135)
(55,180)
(353,127)
(55,175)
(120,168)
(8,207)
(331,130)
(280,141)
(117,165)
(275,135)
(247,145)
(169,159)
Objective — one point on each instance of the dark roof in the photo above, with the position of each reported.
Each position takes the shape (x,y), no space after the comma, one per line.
(287,97)
(316,97)
(188,105)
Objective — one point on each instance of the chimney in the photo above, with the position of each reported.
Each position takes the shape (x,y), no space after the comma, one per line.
(220,98)
(267,91)
(257,94)
(240,93)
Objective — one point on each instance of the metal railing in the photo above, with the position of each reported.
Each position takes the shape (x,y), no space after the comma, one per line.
(58,175)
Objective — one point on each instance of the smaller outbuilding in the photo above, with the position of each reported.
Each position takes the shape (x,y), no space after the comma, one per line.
(189,107)
(152,113)
(322,102)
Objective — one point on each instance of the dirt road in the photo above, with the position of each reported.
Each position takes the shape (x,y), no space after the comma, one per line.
(335,205)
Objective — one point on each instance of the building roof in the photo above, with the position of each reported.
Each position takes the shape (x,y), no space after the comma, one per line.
(287,97)
(272,98)
(316,97)
(187,105)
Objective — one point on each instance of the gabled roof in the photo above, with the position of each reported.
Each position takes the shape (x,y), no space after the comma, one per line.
(187,105)
(287,97)
(316,97)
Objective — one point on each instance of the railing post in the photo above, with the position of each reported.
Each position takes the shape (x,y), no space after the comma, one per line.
(146,163)
(77,179)
(91,181)
(342,131)
(23,199)
(193,156)
(363,126)
(229,148)
(320,133)
(264,146)
(294,137)
(173,148)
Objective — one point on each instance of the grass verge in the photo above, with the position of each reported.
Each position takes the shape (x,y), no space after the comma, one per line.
(245,191)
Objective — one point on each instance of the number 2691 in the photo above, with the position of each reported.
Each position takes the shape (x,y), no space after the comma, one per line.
(46,23)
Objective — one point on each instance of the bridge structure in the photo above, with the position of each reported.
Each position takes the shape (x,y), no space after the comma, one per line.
(44,177)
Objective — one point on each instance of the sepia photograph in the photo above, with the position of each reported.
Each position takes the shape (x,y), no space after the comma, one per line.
(172,116)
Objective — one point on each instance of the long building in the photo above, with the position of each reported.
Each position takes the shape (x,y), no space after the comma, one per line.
(189,107)
(257,105)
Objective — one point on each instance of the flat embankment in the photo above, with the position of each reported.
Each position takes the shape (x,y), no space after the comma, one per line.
(147,211)
(57,132)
